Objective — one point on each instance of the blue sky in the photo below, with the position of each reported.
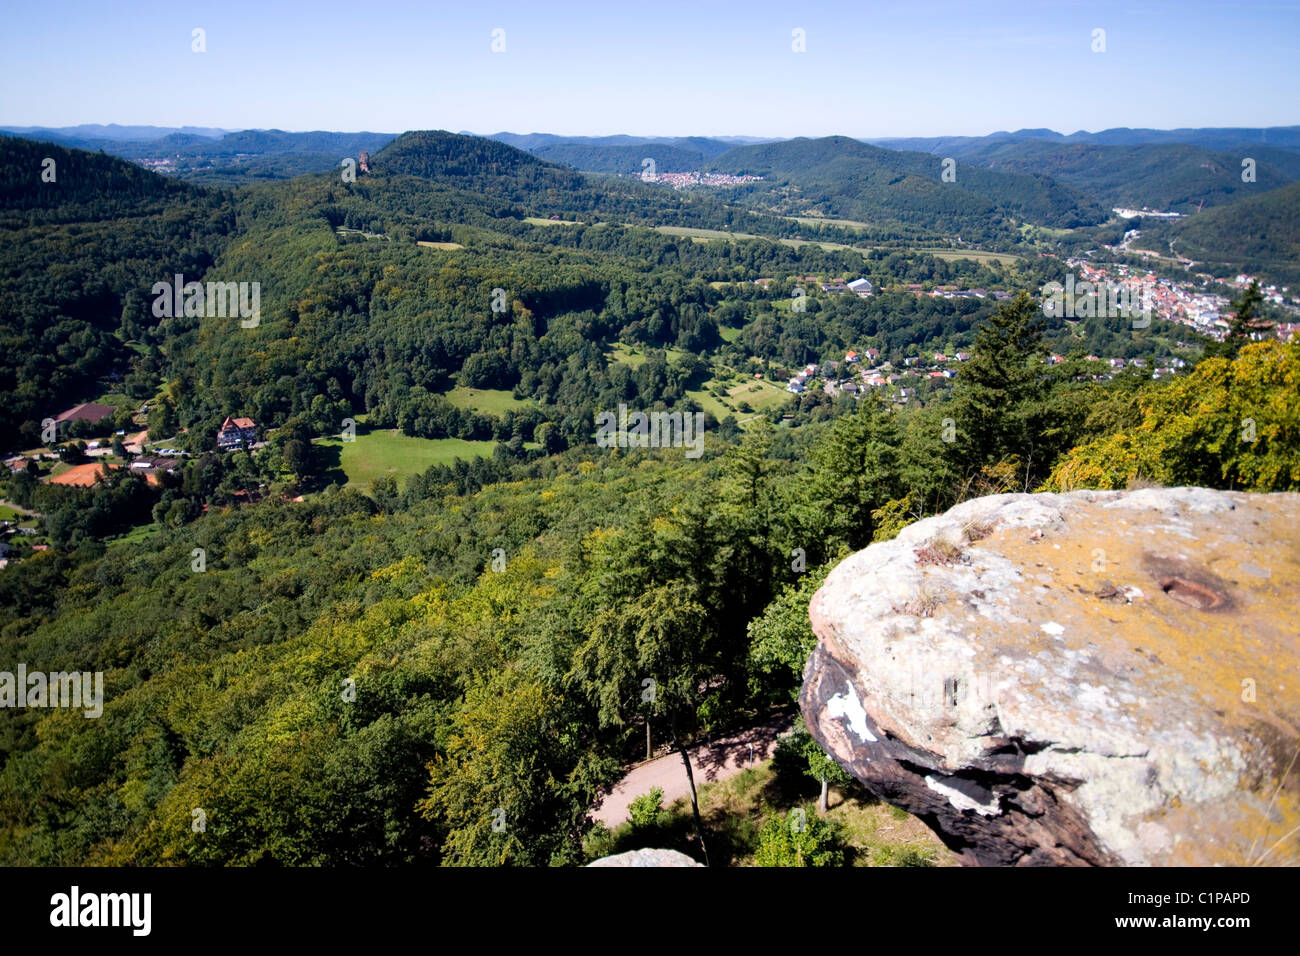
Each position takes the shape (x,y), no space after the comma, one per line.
(871,68)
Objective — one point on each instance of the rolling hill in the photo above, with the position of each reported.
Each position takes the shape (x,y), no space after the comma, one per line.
(1165,176)
(1259,235)
(841,177)
(622,160)
(1277,137)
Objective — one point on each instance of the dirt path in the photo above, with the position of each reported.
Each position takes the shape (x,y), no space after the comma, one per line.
(719,760)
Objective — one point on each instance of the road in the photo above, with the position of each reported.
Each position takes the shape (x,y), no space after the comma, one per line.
(710,762)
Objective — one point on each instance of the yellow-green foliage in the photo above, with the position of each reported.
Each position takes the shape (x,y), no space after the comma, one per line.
(1229,424)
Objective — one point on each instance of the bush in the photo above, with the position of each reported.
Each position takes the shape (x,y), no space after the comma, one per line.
(800,839)
(645,810)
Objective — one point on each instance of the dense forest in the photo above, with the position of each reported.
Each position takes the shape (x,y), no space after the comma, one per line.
(330,670)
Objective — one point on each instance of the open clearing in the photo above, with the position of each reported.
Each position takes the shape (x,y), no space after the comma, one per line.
(387,452)
(439,245)
(948,255)
(706,234)
(634,356)
(490,401)
(842,223)
(759,394)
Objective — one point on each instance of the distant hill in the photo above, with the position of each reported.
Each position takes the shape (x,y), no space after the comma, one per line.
(87,186)
(1256,235)
(80,255)
(624,160)
(112,131)
(440,155)
(845,178)
(1171,176)
(1277,137)
(706,145)
(232,158)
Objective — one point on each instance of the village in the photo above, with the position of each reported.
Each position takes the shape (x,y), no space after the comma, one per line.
(1174,301)
(862,371)
(696,178)
(72,457)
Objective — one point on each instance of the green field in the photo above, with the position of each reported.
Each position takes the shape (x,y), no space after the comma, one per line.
(949,255)
(635,355)
(490,401)
(703,233)
(138,533)
(538,221)
(117,400)
(710,403)
(760,395)
(843,223)
(388,452)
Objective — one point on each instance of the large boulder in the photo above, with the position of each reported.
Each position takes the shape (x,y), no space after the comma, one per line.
(646,857)
(1098,677)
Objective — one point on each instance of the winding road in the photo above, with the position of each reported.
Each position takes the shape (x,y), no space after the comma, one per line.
(710,762)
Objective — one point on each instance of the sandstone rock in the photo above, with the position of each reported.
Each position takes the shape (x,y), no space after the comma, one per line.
(1098,677)
(646,857)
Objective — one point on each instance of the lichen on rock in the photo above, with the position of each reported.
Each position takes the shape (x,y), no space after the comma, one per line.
(1093,677)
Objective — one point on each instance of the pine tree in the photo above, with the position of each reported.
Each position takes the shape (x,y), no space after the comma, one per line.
(1245,321)
(1000,390)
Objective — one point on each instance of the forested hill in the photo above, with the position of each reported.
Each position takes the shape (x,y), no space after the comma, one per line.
(79,186)
(705,145)
(841,177)
(625,160)
(439,155)
(1260,235)
(236,158)
(78,258)
(1215,138)
(1167,176)
(426,595)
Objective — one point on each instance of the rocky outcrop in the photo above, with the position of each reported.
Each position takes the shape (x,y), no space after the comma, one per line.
(1083,678)
(646,857)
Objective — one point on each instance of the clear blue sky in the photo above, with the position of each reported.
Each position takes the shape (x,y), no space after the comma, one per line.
(871,68)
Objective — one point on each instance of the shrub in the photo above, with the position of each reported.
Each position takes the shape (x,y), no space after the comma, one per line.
(800,839)
(645,810)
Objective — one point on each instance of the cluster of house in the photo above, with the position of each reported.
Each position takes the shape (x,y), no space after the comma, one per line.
(696,178)
(859,287)
(1282,297)
(870,375)
(1169,300)
(956,292)
(234,433)
(1205,312)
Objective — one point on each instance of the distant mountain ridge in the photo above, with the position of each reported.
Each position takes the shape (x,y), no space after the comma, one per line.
(229,158)
(708,145)
(841,177)
(1278,137)
(1163,176)
(114,132)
